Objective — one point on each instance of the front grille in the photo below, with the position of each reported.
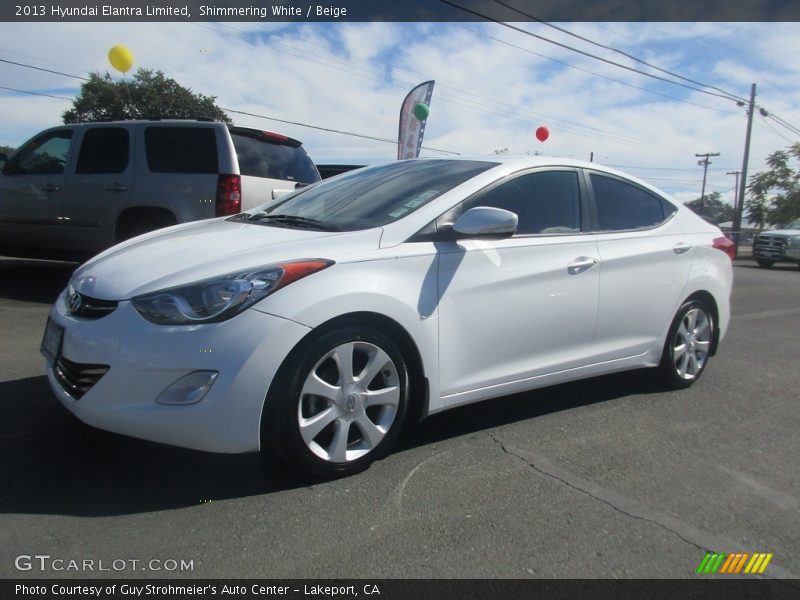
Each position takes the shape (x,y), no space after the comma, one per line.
(88,307)
(77,379)
(769,246)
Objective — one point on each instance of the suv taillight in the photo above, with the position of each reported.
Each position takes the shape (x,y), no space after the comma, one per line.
(229,195)
(726,245)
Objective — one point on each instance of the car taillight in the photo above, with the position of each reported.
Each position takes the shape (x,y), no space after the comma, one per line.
(726,245)
(229,195)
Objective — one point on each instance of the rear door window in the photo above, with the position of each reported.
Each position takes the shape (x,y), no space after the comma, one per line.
(104,150)
(623,206)
(181,149)
(262,157)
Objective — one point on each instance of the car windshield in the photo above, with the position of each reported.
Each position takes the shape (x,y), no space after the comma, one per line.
(369,197)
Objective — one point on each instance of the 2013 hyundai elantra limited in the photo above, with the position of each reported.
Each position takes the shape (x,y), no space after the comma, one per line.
(314,327)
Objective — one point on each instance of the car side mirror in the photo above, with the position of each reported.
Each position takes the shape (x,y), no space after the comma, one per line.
(486,222)
(3,160)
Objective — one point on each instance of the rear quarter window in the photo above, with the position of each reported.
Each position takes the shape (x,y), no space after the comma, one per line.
(181,149)
(259,157)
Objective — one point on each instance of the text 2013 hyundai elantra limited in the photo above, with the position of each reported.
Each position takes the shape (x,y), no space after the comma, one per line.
(315,327)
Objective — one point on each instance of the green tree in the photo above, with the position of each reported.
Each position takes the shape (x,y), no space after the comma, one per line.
(713,207)
(775,194)
(150,95)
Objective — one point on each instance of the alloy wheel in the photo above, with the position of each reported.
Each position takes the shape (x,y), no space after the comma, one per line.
(348,402)
(692,343)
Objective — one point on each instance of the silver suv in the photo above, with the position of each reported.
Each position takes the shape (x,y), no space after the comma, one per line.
(72,191)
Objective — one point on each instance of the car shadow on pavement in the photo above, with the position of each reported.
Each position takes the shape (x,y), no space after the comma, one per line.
(496,412)
(54,464)
(38,281)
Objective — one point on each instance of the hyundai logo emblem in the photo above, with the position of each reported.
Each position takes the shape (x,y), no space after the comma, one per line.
(75,303)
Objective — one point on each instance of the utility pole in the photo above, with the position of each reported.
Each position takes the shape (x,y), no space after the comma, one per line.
(737,214)
(735,195)
(704,163)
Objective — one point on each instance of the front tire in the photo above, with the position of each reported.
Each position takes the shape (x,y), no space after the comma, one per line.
(688,345)
(338,402)
(764,263)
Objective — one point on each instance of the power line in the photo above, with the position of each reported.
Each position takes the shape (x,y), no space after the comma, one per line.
(583,52)
(623,53)
(2,87)
(328,129)
(468,103)
(570,66)
(763,123)
(11,62)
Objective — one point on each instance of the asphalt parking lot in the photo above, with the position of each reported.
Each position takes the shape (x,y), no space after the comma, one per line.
(609,477)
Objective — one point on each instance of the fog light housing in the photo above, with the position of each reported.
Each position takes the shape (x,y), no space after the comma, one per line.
(189,389)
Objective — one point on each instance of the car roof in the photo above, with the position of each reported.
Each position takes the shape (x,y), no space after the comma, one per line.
(518,163)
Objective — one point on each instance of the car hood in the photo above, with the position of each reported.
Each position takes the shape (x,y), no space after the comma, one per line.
(781,232)
(195,251)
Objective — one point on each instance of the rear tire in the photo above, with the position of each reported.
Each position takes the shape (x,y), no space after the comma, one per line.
(337,403)
(688,344)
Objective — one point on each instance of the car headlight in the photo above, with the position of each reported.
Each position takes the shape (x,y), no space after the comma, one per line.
(793,242)
(221,298)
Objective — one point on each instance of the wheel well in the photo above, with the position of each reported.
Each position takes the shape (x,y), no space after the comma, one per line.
(141,219)
(712,304)
(418,394)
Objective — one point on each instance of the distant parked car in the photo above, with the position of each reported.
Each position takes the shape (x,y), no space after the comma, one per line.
(314,327)
(777,245)
(74,190)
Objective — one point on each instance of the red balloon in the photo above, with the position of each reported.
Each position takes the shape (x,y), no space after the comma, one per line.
(542,133)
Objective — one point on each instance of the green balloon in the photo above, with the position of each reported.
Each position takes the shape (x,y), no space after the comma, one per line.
(421,111)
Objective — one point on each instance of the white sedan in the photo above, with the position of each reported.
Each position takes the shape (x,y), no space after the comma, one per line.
(314,327)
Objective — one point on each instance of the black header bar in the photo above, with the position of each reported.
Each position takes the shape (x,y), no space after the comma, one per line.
(303,11)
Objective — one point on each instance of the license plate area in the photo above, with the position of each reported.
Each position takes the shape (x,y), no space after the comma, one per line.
(52,341)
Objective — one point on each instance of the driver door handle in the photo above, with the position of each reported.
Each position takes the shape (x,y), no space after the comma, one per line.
(49,187)
(117,187)
(581,264)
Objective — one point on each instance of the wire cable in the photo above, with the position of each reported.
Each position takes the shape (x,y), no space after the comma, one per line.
(622,52)
(583,52)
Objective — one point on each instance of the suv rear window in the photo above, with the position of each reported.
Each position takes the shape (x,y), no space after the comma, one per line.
(262,157)
(181,149)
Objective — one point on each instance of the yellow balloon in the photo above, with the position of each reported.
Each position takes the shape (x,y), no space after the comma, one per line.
(121,58)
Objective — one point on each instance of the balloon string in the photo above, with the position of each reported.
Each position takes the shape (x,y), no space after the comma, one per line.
(130,100)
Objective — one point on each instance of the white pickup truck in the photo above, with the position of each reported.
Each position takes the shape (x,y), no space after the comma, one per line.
(778,245)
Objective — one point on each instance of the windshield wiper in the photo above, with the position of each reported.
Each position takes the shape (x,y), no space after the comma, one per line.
(294,220)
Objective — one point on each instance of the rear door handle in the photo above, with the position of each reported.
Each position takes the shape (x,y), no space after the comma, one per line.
(681,247)
(49,187)
(117,187)
(581,264)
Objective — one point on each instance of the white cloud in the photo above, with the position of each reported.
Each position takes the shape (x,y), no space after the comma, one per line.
(489,95)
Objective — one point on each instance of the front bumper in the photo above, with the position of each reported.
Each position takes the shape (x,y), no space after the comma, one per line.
(144,359)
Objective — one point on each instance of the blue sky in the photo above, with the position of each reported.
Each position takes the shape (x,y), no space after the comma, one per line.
(494,86)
